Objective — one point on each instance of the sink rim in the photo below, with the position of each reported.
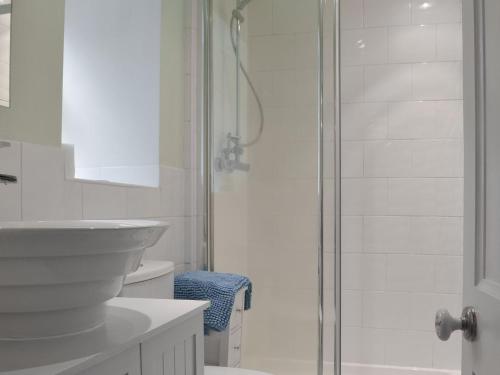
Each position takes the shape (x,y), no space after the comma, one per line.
(40,298)
(83,225)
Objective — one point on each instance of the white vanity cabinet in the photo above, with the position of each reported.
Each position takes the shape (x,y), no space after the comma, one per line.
(126,363)
(224,348)
(179,351)
(140,337)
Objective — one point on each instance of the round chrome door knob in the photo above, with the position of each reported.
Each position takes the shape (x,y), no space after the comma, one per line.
(446,324)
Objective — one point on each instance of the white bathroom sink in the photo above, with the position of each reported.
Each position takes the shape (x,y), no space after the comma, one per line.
(55,276)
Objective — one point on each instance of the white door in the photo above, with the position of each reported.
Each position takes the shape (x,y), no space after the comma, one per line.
(481,23)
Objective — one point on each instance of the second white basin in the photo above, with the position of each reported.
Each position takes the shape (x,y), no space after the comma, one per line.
(55,277)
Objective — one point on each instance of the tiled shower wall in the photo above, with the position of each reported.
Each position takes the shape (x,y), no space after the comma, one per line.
(45,193)
(402,179)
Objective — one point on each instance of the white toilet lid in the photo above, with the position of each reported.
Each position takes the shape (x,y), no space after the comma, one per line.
(209,370)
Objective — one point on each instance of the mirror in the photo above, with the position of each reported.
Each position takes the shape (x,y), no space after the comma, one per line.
(5,15)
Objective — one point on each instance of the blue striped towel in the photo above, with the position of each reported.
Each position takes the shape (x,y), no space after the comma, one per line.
(218,288)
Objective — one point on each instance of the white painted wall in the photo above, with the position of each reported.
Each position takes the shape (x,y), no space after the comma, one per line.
(37,45)
(111,92)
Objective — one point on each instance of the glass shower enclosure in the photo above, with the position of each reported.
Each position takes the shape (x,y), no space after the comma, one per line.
(334,179)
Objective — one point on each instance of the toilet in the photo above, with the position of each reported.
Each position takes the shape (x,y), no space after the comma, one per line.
(155,279)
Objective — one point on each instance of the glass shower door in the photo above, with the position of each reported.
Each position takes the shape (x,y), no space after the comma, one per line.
(267,176)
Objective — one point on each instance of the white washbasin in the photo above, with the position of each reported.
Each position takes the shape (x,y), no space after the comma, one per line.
(55,276)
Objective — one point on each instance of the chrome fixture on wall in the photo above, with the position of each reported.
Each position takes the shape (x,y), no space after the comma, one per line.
(229,159)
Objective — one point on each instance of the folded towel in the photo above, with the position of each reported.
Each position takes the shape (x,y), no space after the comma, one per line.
(218,288)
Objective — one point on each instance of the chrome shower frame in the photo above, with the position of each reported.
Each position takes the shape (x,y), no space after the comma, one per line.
(208,165)
(207,154)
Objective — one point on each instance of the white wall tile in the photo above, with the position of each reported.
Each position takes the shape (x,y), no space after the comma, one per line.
(352,308)
(172,182)
(449,41)
(386,309)
(365,272)
(351,272)
(410,273)
(363,345)
(308,56)
(412,43)
(448,274)
(437,81)
(295,159)
(284,86)
(73,200)
(260,18)
(364,196)
(272,52)
(447,355)
(437,235)
(351,14)
(42,182)
(143,202)
(352,233)
(352,84)
(374,270)
(364,121)
(295,231)
(425,119)
(387,234)
(307,83)
(388,82)
(437,158)
(387,158)
(10,194)
(352,159)
(364,46)
(436,11)
(294,16)
(104,201)
(410,348)
(431,197)
(387,12)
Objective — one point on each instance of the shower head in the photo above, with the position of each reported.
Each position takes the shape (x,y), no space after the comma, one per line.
(242,4)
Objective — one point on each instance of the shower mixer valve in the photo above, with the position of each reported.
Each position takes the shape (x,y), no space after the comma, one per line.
(230,157)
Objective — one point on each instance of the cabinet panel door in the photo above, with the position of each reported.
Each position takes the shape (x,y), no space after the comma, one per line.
(234,349)
(178,351)
(126,363)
